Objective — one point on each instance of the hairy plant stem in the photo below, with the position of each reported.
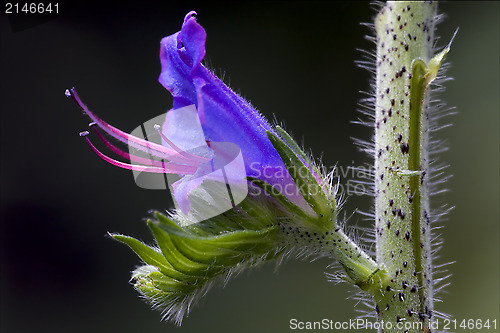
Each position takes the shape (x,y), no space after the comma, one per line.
(404,48)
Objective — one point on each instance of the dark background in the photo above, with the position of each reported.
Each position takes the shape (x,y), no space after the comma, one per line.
(293,61)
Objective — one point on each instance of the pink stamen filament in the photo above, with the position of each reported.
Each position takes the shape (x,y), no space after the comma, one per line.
(141,144)
(166,167)
(124,154)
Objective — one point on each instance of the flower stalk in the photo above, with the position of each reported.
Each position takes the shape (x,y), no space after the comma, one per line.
(404,71)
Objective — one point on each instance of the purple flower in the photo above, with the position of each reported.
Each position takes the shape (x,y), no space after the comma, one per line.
(223,114)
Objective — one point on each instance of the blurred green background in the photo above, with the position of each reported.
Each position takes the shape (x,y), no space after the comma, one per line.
(294,61)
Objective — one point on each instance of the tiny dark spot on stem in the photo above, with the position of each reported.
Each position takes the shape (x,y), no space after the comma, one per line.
(405,148)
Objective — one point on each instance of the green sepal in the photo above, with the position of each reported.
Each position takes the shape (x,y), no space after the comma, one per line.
(205,253)
(291,143)
(296,148)
(146,253)
(305,181)
(289,206)
(179,261)
(251,241)
(165,220)
(168,284)
(228,249)
(154,258)
(149,276)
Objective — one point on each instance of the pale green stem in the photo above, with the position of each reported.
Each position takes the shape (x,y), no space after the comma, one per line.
(404,34)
